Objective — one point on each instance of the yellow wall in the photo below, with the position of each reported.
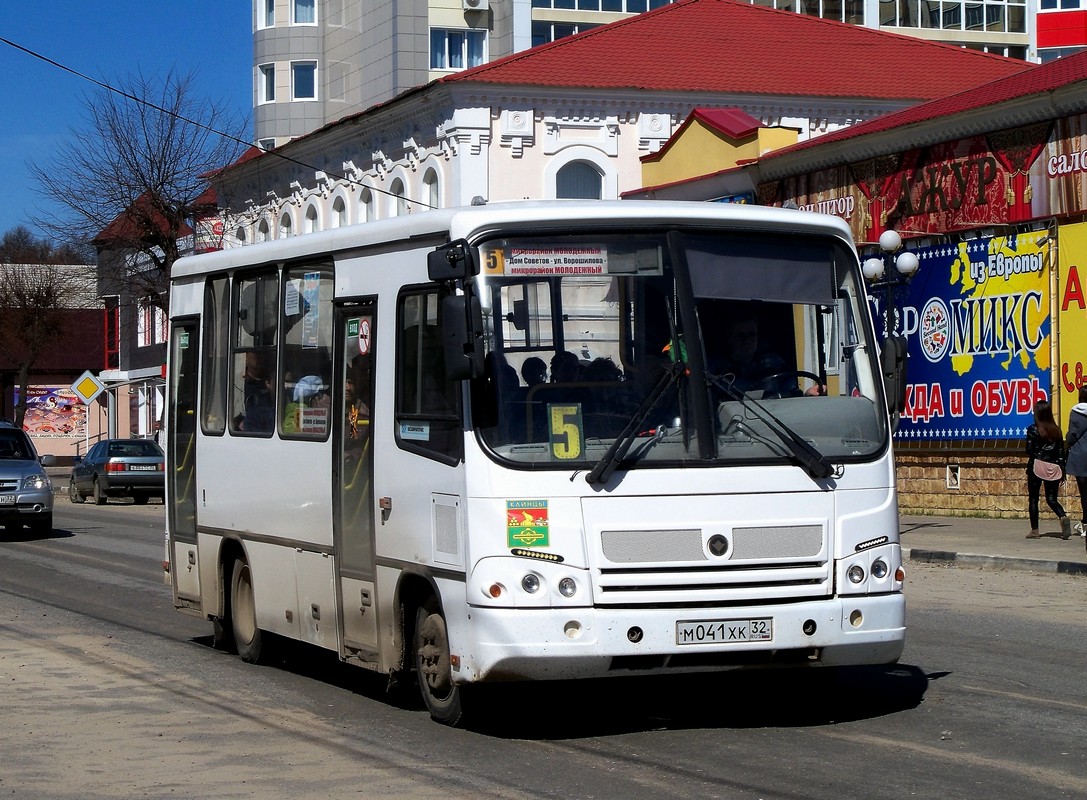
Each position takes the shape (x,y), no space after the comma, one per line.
(701,150)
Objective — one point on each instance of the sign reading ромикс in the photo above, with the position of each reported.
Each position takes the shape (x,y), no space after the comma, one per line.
(978,325)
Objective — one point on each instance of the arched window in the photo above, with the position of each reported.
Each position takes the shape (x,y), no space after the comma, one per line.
(262,231)
(579,180)
(366,198)
(430,185)
(311,220)
(339,213)
(239,235)
(400,203)
(285,226)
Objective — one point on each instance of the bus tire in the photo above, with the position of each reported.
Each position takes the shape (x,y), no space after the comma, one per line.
(243,614)
(432,665)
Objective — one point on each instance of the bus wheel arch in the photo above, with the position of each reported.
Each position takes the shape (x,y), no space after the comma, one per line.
(248,637)
(222,625)
(426,650)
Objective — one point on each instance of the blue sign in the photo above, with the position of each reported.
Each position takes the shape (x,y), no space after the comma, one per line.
(976,317)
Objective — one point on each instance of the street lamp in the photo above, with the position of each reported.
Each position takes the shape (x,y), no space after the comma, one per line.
(893,268)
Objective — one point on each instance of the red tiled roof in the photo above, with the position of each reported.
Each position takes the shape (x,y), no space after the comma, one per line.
(1036,81)
(732,46)
(130,225)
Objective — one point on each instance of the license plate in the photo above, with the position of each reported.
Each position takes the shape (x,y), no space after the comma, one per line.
(725,631)
(148,467)
(7,499)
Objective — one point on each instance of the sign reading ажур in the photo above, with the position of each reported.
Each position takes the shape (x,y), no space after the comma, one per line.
(977,320)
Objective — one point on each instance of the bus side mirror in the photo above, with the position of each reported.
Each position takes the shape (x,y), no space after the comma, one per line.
(893,366)
(451,262)
(462,336)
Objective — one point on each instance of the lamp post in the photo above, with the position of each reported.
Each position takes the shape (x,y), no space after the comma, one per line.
(894,267)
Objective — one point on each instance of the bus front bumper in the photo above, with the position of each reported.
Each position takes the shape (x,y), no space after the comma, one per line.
(553,644)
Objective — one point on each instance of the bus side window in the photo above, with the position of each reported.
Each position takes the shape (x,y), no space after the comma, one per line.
(306,364)
(427,405)
(256,316)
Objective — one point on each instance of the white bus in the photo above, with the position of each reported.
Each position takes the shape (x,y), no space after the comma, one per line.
(525,441)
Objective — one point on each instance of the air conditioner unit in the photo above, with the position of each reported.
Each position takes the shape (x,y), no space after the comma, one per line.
(475,5)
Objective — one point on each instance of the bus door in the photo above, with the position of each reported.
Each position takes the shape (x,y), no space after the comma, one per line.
(353,469)
(181,458)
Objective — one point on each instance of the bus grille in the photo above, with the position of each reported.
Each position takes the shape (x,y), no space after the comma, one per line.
(690,565)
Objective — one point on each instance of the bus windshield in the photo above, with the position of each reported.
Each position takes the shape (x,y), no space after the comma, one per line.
(676,348)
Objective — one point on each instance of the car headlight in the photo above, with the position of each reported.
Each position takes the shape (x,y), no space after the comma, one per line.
(37,482)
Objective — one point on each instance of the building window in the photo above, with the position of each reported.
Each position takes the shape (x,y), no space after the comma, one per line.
(285,226)
(339,213)
(311,220)
(544,32)
(150,324)
(623,6)
(239,235)
(266,83)
(304,12)
(266,15)
(266,144)
(457,49)
(304,80)
(399,201)
(366,199)
(430,186)
(262,231)
(578,180)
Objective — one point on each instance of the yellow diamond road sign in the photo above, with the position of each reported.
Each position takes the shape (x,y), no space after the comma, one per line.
(87,387)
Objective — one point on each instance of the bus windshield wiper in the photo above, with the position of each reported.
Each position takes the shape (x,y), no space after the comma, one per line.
(618,450)
(811,459)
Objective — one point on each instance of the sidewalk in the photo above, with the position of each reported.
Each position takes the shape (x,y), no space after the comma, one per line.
(993,542)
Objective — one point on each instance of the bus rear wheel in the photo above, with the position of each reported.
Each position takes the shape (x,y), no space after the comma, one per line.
(432,665)
(243,614)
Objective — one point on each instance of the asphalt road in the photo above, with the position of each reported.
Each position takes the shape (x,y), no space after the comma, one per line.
(105,691)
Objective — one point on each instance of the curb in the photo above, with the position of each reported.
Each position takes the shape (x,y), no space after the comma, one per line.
(1002,562)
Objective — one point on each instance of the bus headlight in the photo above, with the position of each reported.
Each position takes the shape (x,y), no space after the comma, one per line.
(567,587)
(855,573)
(879,569)
(531,583)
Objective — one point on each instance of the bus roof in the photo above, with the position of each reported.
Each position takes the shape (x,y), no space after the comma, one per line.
(462,222)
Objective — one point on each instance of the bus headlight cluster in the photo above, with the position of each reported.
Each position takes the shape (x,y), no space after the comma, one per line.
(875,571)
(510,583)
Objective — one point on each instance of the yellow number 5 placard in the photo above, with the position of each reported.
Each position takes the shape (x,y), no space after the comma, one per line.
(565,431)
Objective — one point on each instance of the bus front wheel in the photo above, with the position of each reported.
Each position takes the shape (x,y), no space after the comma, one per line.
(243,614)
(432,665)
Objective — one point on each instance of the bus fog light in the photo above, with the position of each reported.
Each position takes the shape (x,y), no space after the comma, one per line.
(531,583)
(856,618)
(495,590)
(855,573)
(572,629)
(567,587)
(880,568)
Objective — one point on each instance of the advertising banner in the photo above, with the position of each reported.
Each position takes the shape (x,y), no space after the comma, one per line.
(53,412)
(977,320)
(1072,313)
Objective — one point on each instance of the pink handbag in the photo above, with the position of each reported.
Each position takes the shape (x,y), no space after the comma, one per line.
(1047,471)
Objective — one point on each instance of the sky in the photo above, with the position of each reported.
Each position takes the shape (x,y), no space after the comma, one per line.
(40,103)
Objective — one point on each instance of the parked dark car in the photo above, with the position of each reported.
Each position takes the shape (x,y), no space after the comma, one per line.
(119,468)
(26,493)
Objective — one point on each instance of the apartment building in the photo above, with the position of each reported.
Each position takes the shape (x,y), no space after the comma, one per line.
(318,61)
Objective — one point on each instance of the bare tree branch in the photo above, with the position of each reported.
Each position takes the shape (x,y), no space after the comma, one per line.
(134,177)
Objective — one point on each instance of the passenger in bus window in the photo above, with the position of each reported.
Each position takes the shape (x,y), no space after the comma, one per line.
(259,413)
(565,367)
(746,366)
(534,371)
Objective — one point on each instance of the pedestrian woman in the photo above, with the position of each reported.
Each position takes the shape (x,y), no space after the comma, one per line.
(1045,466)
(1077,454)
